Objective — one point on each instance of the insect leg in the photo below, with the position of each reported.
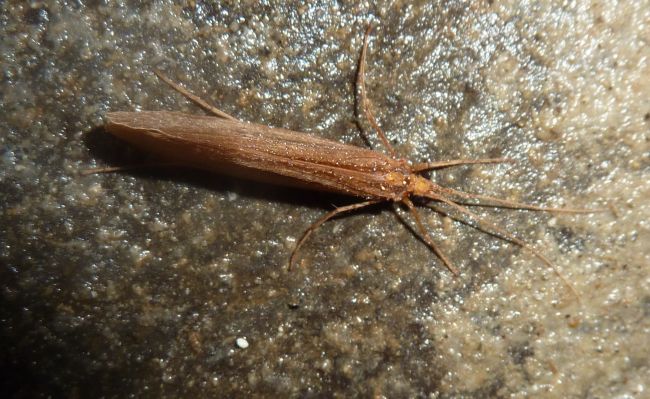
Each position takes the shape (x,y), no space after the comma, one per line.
(194,98)
(111,169)
(361,84)
(427,238)
(324,219)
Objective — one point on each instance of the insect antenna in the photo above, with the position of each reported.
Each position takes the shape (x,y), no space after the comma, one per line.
(501,203)
(489,227)
(424,166)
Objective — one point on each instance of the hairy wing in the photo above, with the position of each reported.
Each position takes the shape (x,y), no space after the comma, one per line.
(258,151)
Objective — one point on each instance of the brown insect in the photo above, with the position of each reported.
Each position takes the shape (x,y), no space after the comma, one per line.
(226,145)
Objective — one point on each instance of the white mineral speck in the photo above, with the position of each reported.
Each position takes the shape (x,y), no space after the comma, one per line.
(242,343)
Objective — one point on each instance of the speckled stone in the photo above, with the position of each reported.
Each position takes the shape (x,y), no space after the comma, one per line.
(140,283)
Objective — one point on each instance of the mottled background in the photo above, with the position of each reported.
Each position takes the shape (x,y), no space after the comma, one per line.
(150,282)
